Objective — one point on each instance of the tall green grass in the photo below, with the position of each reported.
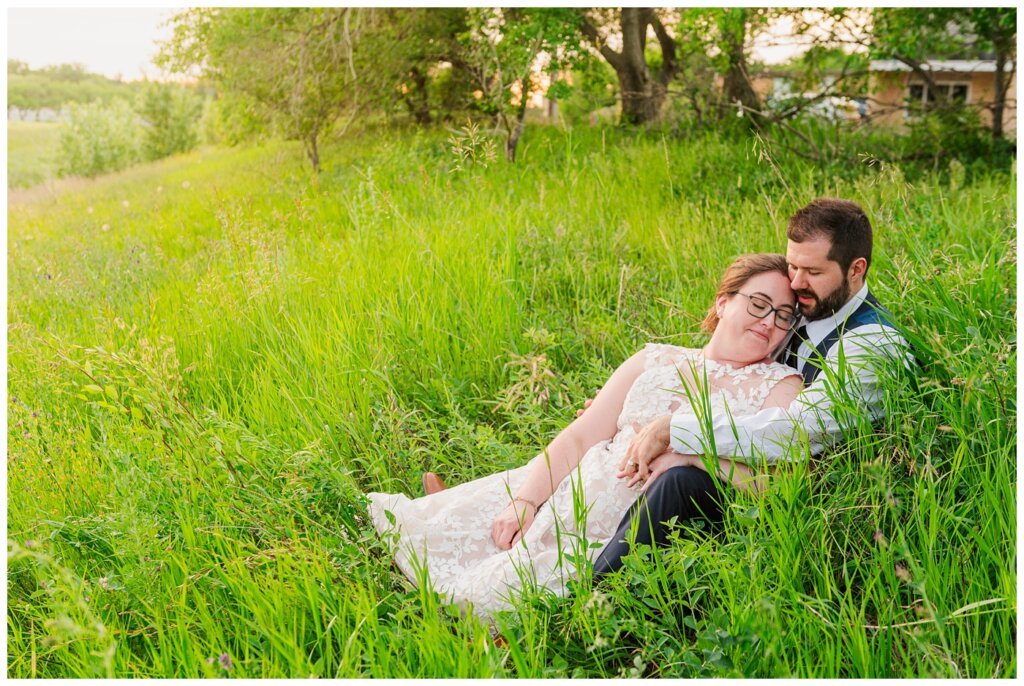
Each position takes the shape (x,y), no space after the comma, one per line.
(210,358)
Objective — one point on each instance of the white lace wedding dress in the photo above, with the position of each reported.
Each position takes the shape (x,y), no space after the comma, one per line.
(450,531)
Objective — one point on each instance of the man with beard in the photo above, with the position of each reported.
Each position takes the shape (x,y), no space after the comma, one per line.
(837,349)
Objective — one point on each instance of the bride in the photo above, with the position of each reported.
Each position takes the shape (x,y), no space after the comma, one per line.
(481,541)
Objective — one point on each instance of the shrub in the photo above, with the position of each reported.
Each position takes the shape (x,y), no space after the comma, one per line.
(230,119)
(98,138)
(172,116)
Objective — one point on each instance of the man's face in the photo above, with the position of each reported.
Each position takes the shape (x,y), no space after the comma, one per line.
(821,286)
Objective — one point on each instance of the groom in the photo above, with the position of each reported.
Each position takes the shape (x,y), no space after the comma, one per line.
(845,333)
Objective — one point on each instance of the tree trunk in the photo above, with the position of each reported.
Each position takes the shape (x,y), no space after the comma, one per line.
(736,84)
(642,93)
(313,152)
(416,99)
(517,132)
(999,101)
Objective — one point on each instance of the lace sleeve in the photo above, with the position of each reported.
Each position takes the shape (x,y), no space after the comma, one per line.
(778,371)
(662,354)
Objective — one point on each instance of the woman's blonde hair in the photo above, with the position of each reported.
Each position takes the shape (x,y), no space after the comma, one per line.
(738,273)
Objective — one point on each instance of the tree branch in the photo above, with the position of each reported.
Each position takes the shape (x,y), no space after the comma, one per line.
(670,63)
(591,33)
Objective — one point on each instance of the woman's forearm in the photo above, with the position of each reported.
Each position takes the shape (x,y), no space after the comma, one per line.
(557,461)
(598,423)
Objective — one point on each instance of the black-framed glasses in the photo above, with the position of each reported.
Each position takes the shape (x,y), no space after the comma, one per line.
(761,307)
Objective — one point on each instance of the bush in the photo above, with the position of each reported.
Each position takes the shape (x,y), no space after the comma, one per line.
(172,116)
(230,119)
(98,138)
(951,132)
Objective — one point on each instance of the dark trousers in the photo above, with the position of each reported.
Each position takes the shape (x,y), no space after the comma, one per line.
(681,492)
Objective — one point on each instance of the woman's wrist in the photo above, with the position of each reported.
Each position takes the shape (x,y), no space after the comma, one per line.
(527,501)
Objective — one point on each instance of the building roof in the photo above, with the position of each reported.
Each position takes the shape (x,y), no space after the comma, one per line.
(957,66)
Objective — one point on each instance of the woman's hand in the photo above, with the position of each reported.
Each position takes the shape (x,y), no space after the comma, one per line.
(659,465)
(586,404)
(512,523)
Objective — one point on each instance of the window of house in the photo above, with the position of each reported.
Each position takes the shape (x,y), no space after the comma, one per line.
(920,96)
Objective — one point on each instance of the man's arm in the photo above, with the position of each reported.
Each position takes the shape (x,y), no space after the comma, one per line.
(850,377)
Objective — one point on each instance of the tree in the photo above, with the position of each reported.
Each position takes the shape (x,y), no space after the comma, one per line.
(502,48)
(725,35)
(643,87)
(914,36)
(997,28)
(293,65)
(403,53)
(171,113)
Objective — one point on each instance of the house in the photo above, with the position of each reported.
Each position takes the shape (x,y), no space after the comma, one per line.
(896,91)
(776,88)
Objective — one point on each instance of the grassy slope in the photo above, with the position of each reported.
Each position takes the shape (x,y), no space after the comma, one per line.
(31,153)
(210,357)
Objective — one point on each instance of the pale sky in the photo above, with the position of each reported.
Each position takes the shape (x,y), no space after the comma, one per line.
(107,41)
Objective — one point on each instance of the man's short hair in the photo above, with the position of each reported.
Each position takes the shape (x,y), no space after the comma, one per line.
(842,222)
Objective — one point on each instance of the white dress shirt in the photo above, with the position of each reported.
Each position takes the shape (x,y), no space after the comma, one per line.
(850,374)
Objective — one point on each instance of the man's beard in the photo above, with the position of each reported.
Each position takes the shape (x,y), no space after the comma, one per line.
(827,306)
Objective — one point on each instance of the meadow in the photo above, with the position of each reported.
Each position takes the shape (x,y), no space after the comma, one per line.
(210,359)
(32,149)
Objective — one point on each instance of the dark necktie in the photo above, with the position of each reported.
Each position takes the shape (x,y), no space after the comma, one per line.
(799,336)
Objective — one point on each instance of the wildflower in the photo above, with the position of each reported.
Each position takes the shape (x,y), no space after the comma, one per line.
(105,227)
(89,210)
(902,572)
(125,204)
(104,583)
(159,189)
(225,661)
(880,538)
(210,660)
(185,184)
(31,543)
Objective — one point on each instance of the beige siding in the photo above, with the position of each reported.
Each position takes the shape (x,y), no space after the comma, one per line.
(889,91)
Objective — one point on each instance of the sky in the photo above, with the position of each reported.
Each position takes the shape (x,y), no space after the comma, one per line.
(113,42)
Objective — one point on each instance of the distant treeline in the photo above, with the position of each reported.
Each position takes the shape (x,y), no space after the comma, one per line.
(53,87)
(107,124)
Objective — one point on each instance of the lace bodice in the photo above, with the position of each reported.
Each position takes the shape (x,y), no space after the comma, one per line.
(668,370)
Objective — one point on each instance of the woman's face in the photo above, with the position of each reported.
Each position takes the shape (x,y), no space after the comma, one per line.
(749,338)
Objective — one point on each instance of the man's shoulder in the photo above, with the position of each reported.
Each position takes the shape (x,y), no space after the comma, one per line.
(871,312)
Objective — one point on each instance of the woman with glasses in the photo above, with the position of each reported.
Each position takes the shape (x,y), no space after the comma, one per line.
(481,541)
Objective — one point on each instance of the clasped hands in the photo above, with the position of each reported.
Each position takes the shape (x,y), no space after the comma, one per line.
(649,454)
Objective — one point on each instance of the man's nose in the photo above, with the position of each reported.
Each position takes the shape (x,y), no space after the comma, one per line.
(799,281)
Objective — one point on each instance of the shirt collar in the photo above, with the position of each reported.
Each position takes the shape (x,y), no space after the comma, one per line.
(819,328)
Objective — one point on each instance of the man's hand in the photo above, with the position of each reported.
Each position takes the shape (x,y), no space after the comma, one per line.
(650,442)
(587,403)
(512,523)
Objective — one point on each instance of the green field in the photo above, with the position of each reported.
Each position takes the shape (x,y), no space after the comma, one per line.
(31,152)
(212,357)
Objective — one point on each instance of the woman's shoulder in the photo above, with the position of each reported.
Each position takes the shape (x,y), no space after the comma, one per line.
(663,354)
(776,370)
